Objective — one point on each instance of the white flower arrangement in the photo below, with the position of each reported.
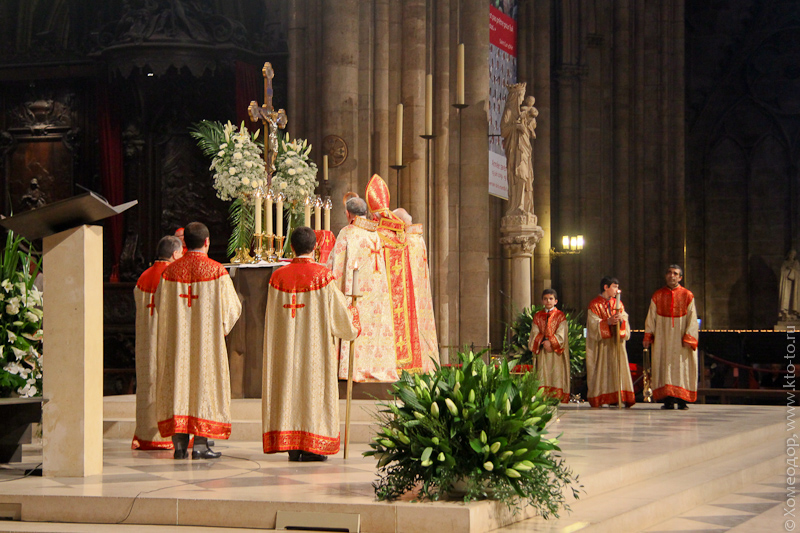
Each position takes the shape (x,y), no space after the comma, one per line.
(20,325)
(295,175)
(238,167)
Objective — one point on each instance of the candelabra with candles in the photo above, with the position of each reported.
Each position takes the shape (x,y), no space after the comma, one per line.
(571,245)
(258,235)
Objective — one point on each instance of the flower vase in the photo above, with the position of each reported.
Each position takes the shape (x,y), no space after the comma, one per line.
(295,221)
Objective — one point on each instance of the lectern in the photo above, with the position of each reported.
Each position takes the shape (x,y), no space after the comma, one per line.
(72,416)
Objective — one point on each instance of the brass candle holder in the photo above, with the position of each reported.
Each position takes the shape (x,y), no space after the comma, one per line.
(279,248)
(258,253)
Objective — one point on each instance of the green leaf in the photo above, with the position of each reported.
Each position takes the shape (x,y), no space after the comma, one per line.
(426,454)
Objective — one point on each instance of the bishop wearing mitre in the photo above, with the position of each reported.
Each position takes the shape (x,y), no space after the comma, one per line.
(359,248)
(197,306)
(406,265)
(306,312)
(146,435)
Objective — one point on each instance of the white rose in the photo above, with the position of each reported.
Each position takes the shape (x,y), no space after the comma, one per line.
(223,145)
(245,181)
(221,153)
(301,181)
(248,164)
(284,185)
(237,155)
(292,172)
(232,171)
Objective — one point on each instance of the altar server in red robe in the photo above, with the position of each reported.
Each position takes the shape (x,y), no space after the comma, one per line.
(671,329)
(146,435)
(197,306)
(549,343)
(300,389)
(607,370)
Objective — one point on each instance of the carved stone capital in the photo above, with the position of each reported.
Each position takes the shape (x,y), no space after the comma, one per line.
(520,234)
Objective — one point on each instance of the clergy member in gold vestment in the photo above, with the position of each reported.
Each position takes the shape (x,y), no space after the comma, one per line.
(607,369)
(671,327)
(146,435)
(359,246)
(197,306)
(406,268)
(300,391)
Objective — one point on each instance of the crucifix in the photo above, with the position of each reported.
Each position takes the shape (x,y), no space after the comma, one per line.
(271,119)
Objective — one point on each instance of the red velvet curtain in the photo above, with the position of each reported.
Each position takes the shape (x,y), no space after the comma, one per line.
(111,168)
(247,85)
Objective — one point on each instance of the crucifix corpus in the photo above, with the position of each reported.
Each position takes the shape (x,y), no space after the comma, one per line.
(271,119)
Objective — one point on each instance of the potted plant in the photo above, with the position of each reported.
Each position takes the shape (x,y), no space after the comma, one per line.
(475,424)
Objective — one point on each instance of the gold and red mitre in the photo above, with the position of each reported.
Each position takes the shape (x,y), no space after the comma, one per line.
(378,203)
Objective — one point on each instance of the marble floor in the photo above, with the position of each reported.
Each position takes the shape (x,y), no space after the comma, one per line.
(711,468)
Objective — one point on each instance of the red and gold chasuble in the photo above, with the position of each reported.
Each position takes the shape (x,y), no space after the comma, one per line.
(607,368)
(391,231)
(146,435)
(197,306)
(306,312)
(552,367)
(326,240)
(671,321)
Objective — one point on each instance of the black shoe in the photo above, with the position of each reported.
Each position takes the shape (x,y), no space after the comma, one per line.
(207,453)
(682,406)
(180,442)
(668,406)
(294,455)
(180,454)
(308,457)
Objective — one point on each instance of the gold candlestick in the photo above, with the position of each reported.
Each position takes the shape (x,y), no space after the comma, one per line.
(258,253)
(279,248)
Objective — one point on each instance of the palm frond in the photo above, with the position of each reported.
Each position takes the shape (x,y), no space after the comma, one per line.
(209,134)
(243,225)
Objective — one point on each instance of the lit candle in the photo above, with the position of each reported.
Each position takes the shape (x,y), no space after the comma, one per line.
(318,214)
(307,211)
(279,214)
(328,207)
(325,167)
(429,104)
(354,290)
(460,75)
(258,213)
(619,300)
(268,212)
(399,148)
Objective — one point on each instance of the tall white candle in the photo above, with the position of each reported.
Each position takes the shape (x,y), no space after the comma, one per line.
(429,104)
(618,305)
(318,214)
(258,214)
(307,211)
(327,216)
(268,211)
(354,290)
(325,167)
(399,133)
(279,215)
(460,75)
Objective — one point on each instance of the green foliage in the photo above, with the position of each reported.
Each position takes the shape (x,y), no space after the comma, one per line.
(242,220)
(20,320)
(478,423)
(209,134)
(521,333)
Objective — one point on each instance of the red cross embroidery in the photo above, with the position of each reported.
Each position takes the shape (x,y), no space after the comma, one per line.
(189,297)
(376,252)
(152,304)
(294,305)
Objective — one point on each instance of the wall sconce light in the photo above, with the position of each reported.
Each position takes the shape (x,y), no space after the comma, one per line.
(570,245)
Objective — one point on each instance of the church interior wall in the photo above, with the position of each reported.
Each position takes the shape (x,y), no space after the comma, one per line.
(652,157)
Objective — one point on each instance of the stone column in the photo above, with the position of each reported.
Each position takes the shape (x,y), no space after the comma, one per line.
(340,49)
(520,236)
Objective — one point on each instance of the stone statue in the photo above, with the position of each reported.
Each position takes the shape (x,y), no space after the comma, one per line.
(517,127)
(33,198)
(789,291)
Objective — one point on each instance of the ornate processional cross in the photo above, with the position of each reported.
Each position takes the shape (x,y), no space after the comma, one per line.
(271,119)
(294,306)
(189,297)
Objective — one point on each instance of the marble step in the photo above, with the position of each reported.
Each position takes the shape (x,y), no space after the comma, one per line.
(662,495)
(119,420)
